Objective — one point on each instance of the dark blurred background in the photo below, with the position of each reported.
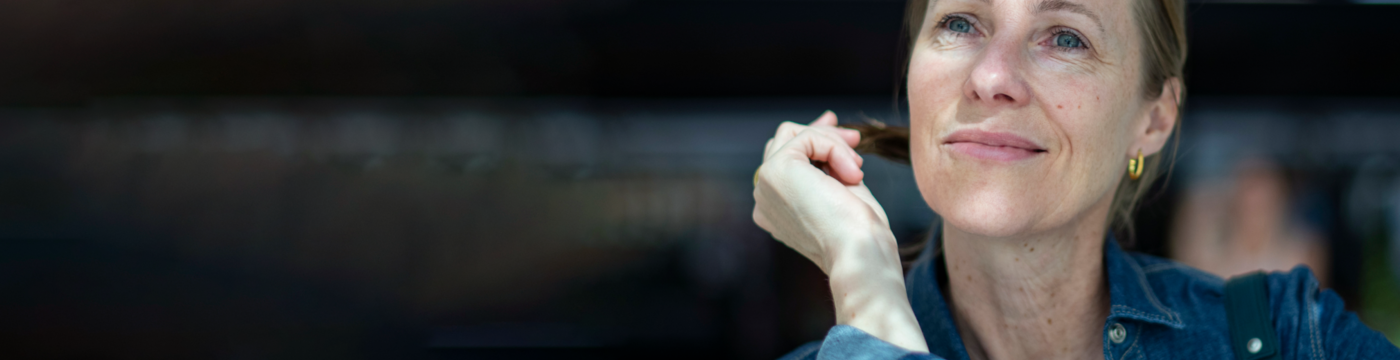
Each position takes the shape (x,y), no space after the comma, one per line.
(432,179)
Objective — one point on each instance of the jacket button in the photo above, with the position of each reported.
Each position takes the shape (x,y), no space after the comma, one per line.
(1117,333)
(1254,345)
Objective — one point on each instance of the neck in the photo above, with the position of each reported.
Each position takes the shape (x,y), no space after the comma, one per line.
(1040,296)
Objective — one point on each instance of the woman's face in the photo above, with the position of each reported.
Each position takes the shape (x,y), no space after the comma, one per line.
(1024,112)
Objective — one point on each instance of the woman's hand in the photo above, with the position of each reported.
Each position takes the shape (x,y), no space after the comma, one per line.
(808,193)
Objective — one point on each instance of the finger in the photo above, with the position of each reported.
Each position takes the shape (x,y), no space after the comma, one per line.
(815,146)
(786,131)
(830,133)
(852,136)
(847,172)
(827,118)
(768,149)
(826,167)
(844,167)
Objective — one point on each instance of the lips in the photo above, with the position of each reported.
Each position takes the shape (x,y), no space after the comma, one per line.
(993,145)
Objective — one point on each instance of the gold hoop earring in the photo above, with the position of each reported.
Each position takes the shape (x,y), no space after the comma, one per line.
(1135,166)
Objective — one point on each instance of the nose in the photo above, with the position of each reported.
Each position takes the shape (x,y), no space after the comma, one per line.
(995,80)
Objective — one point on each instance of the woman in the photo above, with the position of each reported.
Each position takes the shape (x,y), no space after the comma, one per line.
(1024,115)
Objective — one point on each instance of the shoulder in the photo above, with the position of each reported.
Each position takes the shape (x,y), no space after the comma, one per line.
(1293,303)
(1311,322)
(1198,295)
(1180,286)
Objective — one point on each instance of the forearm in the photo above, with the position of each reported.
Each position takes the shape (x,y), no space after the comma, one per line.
(867,286)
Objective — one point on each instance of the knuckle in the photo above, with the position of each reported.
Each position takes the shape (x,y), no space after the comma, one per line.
(819,131)
(831,133)
(819,137)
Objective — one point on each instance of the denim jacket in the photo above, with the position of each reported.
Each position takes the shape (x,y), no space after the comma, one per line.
(1169,311)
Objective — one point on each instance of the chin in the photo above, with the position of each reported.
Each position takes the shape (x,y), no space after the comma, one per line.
(1005,203)
(983,213)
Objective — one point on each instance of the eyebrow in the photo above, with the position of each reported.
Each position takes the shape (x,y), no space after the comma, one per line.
(1052,5)
(1066,5)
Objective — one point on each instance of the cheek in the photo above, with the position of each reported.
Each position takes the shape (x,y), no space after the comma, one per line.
(934,91)
(1087,115)
(934,83)
(1094,112)
(1093,122)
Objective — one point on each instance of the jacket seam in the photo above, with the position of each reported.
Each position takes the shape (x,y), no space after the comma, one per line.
(1159,267)
(1137,336)
(1183,270)
(1306,312)
(1132,311)
(1152,296)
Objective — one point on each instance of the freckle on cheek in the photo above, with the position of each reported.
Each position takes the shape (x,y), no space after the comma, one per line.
(1059,106)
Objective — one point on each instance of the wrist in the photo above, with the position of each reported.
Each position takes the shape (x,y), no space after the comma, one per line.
(867,288)
(869,251)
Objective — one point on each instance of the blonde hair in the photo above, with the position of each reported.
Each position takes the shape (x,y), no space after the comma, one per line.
(1162,27)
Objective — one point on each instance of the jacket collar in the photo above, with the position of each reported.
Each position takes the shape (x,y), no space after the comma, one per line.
(1129,293)
(1130,296)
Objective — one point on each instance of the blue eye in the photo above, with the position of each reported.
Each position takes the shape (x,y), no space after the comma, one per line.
(959,25)
(1068,40)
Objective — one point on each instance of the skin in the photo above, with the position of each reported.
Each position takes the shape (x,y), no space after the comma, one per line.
(1023,239)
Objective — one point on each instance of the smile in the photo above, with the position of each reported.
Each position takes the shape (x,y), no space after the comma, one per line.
(993,145)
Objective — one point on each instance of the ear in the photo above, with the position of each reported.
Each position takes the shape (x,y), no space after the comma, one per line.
(1153,130)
